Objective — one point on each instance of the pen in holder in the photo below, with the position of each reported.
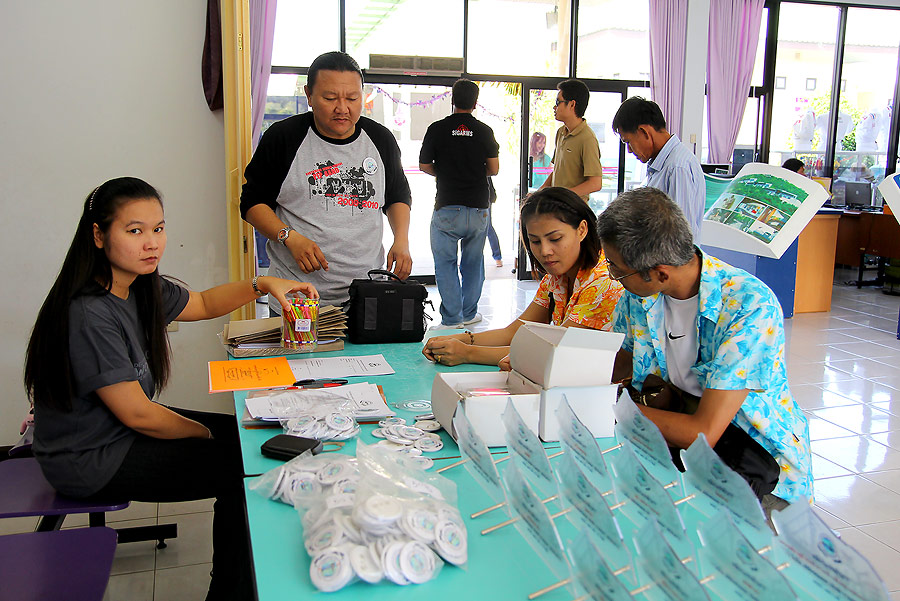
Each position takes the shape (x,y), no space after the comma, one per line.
(298,326)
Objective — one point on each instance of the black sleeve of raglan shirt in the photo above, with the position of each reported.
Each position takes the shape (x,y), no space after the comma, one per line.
(270,163)
(396,185)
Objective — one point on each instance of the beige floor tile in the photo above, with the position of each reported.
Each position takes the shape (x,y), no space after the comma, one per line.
(891,439)
(810,396)
(820,429)
(882,557)
(185,583)
(831,520)
(864,368)
(137,586)
(858,454)
(889,479)
(861,419)
(885,532)
(822,468)
(194,542)
(856,500)
(816,373)
(200,506)
(135,557)
(863,391)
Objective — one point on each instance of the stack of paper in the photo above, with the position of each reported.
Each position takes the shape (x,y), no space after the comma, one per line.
(261,337)
(364,402)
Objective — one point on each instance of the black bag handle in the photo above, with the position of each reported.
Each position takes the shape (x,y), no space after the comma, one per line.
(385,272)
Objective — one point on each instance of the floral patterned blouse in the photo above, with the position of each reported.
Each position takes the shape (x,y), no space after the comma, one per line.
(593,299)
(741,334)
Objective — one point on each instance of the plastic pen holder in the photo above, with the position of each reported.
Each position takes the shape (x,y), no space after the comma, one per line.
(298,326)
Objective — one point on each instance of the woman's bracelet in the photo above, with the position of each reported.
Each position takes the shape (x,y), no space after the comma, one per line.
(471,337)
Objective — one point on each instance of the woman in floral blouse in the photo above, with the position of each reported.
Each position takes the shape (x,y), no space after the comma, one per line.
(576,291)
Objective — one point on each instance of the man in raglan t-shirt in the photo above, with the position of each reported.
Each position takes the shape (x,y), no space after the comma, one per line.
(318,183)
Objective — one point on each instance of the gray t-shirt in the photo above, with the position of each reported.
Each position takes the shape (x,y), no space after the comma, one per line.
(81,450)
(334,192)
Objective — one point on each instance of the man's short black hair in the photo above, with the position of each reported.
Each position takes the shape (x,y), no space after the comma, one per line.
(793,164)
(332,61)
(465,94)
(577,90)
(637,111)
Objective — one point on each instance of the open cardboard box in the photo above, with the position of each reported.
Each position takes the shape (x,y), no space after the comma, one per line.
(485,412)
(548,362)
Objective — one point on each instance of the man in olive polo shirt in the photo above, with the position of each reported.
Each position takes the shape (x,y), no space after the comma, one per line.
(576,160)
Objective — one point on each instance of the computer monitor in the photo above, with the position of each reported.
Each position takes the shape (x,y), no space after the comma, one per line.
(858,194)
(741,157)
(715,168)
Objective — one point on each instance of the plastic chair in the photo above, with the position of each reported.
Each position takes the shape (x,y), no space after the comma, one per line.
(25,492)
(66,564)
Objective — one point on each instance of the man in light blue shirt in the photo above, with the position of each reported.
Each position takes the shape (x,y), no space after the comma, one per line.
(671,166)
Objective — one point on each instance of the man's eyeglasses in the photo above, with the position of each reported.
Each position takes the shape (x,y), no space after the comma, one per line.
(559,102)
(617,278)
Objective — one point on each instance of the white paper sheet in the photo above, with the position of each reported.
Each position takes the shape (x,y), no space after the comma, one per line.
(340,367)
(365,400)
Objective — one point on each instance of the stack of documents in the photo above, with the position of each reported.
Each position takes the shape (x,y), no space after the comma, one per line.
(262,337)
(364,401)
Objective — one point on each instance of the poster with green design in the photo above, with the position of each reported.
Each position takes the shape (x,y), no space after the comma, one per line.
(762,211)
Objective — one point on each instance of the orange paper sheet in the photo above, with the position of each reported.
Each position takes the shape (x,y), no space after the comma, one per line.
(249,374)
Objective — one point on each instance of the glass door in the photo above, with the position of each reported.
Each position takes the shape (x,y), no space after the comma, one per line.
(540,143)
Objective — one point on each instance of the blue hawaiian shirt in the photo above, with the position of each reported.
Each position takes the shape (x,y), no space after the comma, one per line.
(741,334)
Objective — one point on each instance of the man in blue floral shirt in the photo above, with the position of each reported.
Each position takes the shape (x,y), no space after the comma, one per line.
(710,330)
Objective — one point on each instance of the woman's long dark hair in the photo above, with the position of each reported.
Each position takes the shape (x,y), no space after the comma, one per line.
(568,207)
(86,271)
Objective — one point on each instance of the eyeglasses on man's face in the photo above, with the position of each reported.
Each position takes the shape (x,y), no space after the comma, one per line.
(560,101)
(612,269)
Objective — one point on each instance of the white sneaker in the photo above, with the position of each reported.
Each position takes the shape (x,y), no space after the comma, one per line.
(445,326)
(475,319)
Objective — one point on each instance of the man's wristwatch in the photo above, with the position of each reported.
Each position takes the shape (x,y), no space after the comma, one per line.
(283,234)
(255,283)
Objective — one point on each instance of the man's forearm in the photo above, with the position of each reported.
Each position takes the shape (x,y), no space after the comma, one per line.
(263,218)
(398,218)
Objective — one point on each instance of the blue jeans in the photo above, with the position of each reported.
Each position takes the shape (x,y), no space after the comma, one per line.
(493,239)
(451,227)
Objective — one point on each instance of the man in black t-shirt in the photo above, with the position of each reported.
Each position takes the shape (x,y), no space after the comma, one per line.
(461,152)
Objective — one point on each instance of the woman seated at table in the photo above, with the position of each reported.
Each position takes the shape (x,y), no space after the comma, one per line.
(99,354)
(576,290)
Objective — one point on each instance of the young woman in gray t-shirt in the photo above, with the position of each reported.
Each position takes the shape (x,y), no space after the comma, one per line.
(98,433)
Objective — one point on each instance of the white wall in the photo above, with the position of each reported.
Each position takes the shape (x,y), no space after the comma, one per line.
(93,90)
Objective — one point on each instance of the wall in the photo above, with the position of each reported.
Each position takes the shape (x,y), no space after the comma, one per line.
(93,90)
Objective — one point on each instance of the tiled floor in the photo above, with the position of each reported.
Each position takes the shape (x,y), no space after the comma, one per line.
(843,371)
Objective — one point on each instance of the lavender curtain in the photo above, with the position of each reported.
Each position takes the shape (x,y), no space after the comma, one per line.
(668,30)
(733,38)
(262,33)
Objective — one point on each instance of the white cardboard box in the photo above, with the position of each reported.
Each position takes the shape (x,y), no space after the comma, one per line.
(556,356)
(548,361)
(485,412)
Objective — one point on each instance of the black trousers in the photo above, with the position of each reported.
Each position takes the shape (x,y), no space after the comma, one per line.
(188,469)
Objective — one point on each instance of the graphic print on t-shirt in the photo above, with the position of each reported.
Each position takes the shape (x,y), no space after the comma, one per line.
(462,130)
(340,185)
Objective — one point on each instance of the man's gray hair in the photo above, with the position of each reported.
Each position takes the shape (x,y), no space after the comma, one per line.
(648,229)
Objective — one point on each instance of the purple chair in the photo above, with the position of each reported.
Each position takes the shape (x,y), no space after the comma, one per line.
(65,564)
(25,492)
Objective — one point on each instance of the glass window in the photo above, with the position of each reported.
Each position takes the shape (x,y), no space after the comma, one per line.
(614,39)
(806,35)
(284,97)
(519,37)
(409,28)
(297,42)
(869,70)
